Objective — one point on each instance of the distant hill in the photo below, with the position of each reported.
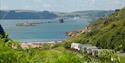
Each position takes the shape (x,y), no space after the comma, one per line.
(28,14)
(93,14)
(20,14)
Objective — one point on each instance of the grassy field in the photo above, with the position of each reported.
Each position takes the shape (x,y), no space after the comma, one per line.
(122,59)
(55,55)
(58,54)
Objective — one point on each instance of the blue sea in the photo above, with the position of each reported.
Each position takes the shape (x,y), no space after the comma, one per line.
(42,32)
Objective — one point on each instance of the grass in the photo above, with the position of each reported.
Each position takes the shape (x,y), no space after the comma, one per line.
(51,55)
(55,55)
(59,55)
(122,60)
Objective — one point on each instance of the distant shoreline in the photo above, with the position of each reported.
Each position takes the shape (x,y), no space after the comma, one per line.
(27,45)
(43,42)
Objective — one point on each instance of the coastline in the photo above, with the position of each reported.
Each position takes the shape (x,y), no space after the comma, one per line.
(42,42)
(39,44)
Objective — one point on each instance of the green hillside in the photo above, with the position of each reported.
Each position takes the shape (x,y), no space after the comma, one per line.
(55,55)
(108,32)
(40,55)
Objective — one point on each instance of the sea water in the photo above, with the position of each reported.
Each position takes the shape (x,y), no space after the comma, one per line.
(42,32)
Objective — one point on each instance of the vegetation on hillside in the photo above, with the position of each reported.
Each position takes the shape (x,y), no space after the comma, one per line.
(107,33)
(54,55)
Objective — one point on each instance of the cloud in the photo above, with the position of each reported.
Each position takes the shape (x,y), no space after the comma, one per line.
(93,0)
(46,5)
(26,7)
(116,2)
(36,1)
(4,7)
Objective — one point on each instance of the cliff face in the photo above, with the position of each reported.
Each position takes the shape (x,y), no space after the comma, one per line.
(73,33)
(108,32)
(77,33)
(1,30)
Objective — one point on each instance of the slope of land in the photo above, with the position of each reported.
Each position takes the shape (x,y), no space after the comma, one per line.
(108,32)
(105,33)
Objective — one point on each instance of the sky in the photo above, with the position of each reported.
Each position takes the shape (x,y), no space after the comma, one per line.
(61,5)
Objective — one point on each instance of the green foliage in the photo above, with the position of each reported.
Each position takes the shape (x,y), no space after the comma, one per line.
(55,55)
(108,32)
(111,35)
(122,59)
(109,56)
